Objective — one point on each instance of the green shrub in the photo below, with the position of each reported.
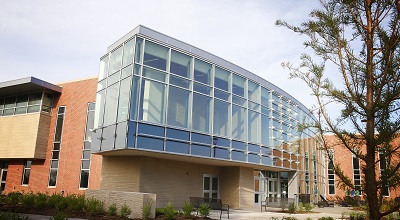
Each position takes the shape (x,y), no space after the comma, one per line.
(147,209)
(62,203)
(41,200)
(326,218)
(59,216)
(274,218)
(14,198)
(12,216)
(75,202)
(28,200)
(292,208)
(308,218)
(94,206)
(289,218)
(300,207)
(160,211)
(169,211)
(125,211)
(112,209)
(393,216)
(187,209)
(308,207)
(204,210)
(54,199)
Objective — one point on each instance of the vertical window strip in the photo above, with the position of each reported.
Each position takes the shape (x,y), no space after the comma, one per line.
(26,172)
(55,153)
(382,167)
(356,174)
(331,174)
(85,161)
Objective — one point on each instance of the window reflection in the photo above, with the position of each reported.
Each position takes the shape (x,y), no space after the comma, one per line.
(155,56)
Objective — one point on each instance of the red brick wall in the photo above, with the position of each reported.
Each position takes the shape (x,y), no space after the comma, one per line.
(75,96)
(345,158)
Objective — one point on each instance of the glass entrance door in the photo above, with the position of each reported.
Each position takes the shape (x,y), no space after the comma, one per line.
(260,190)
(210,186)
(272,188)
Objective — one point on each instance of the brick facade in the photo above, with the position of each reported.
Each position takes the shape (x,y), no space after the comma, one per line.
(75,96)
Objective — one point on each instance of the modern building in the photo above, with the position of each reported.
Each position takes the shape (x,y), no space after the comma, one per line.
(167,119)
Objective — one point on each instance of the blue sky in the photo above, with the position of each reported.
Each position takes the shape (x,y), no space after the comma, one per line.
(60,41)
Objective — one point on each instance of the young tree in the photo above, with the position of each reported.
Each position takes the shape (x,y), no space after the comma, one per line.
(362,39)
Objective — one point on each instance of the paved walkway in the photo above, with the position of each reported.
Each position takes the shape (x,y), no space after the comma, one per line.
(255,214)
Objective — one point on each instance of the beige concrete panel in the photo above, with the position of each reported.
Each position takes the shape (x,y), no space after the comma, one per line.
(246,186)
(18,135)
(120,174)
(134,200)
(173,181)
(229,186)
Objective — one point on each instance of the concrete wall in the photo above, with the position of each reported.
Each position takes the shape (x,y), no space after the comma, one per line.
(120,174)
(230,190)
(134,200)
(246,187)
(18,136)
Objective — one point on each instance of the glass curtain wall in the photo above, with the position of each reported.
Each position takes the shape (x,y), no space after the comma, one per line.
(145,89)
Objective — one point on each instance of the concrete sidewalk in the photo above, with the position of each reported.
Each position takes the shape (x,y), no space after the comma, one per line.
(255,214)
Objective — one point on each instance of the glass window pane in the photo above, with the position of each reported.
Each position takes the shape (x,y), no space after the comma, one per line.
(221,79)
(221,118)
(265,96)
(150,143)
(266,160)
(151,130)
(221,95)
(221,142)
(56,146)
(238,145)
(128,52)
(202,72)
(25,180)
(202,89)
(86,154)
(177,134)
(266,151)
(115,61)
(201,112)
(265,130)
(221,153)
(54,164)
(177,147)
(34,108)
(239,101)
(178,107)
(201,138)
(110,109)
(200,150)
(53,177)
(127,71)
(138,50)
(8,111)
(107,142)
(180,64)
(152,101)
(121,133)
(55,155)
(206,183)
(47,99)
(253,158)
(131,134)
(238,85)
(134,98)
(98,118)
(253,127)
(59,126)
(10,102)
(153,74)
(21,110)
(1,103)
(253,90)
(214,184)
(113,78)
(84,179)
(85,164)
(22,100)
(238,155)
(179,81)
(155,56)
(87,145)
(123,102)
(253,148)
(103,68)
(238,122)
